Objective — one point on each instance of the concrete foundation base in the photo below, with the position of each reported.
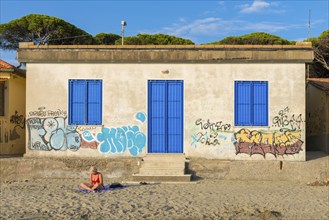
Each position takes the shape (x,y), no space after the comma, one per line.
(315,168)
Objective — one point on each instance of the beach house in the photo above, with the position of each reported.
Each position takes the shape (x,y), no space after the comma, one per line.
(242,102)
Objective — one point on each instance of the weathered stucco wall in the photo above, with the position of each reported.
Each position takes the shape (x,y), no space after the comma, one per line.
(12,125)
(317,119)
(209,129)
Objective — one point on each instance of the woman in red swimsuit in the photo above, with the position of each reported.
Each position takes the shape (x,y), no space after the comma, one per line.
(96,180)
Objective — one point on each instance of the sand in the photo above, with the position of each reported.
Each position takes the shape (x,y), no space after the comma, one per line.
(203,199)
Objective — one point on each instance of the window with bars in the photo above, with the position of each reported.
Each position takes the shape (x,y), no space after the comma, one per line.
(85,102)
(251,103)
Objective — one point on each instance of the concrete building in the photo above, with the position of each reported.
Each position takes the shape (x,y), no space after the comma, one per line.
(214,102)
(317,105)
(12,109)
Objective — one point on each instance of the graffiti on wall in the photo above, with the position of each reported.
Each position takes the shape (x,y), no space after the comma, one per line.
(9,128)
(119,140)
(18,120)
(209,133)
(52,133)
(19,123)
(42,112)
(285,120)
(140,116)
(278,143)
(87,134)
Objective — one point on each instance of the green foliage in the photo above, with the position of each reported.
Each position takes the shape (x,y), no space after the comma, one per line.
(106,39)
(313,40)
(324,34)
(41,29)
(320,65)
(256,38)
(154,39)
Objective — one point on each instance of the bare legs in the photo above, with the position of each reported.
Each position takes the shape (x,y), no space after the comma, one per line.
(91,187)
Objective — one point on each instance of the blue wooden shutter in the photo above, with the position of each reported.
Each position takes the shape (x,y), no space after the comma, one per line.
(260,103)
(77,102)
(157,116)
(175,116)
(242,110)
(94,102)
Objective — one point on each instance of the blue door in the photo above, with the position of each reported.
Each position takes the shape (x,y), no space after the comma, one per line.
(165,116)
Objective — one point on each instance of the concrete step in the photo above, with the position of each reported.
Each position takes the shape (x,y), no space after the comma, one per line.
(161,171)
(163,164)
(163,167)
(164,161)
(164,157)
(167,178)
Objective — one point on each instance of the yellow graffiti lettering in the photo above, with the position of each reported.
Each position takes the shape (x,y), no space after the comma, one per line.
(281,139)
(243,136)
(293,136)
(267,138)
(255,137)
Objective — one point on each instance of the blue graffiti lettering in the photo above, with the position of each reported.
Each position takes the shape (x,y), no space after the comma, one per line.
(141,116)
(52,134)
(118,140)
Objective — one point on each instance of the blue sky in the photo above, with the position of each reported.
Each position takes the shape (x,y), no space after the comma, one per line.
(200,21)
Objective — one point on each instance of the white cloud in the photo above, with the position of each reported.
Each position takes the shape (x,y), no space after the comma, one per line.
(257,6)
(215,27)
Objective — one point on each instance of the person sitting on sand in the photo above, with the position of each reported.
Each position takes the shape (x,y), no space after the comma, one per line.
(96,180)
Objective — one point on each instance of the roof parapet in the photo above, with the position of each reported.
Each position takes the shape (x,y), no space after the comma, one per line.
(29,53)
(298,45)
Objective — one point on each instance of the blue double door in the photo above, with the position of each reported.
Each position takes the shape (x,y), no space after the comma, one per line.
(165,116)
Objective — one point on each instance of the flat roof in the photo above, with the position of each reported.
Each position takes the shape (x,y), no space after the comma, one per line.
(30,53)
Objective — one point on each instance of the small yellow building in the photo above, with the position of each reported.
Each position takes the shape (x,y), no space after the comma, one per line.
(12,109)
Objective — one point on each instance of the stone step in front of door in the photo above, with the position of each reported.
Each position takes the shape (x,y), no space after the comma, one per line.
(164,161)
(162,178)
(161,171)
(166,157)
(161,164)
(162,167)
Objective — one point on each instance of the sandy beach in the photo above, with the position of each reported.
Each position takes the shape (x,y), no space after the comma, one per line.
(202,199)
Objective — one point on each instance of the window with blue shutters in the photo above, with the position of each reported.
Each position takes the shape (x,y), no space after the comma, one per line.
(251,103)
(85,102)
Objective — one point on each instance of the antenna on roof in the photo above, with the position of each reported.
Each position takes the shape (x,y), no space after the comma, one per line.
(309,25)
(123,23)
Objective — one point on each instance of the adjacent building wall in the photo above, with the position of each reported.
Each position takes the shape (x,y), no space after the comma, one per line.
(317,119)
(12,125)
(209,129)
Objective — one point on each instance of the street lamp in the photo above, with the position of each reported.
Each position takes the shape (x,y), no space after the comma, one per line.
(123,23)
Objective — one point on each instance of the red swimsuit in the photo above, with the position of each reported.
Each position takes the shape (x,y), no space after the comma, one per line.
(95,180)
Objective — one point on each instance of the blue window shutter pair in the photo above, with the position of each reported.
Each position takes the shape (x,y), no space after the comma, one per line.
(85,102)
(251,103)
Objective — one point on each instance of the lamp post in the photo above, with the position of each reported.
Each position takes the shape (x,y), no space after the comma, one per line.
(123,23)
